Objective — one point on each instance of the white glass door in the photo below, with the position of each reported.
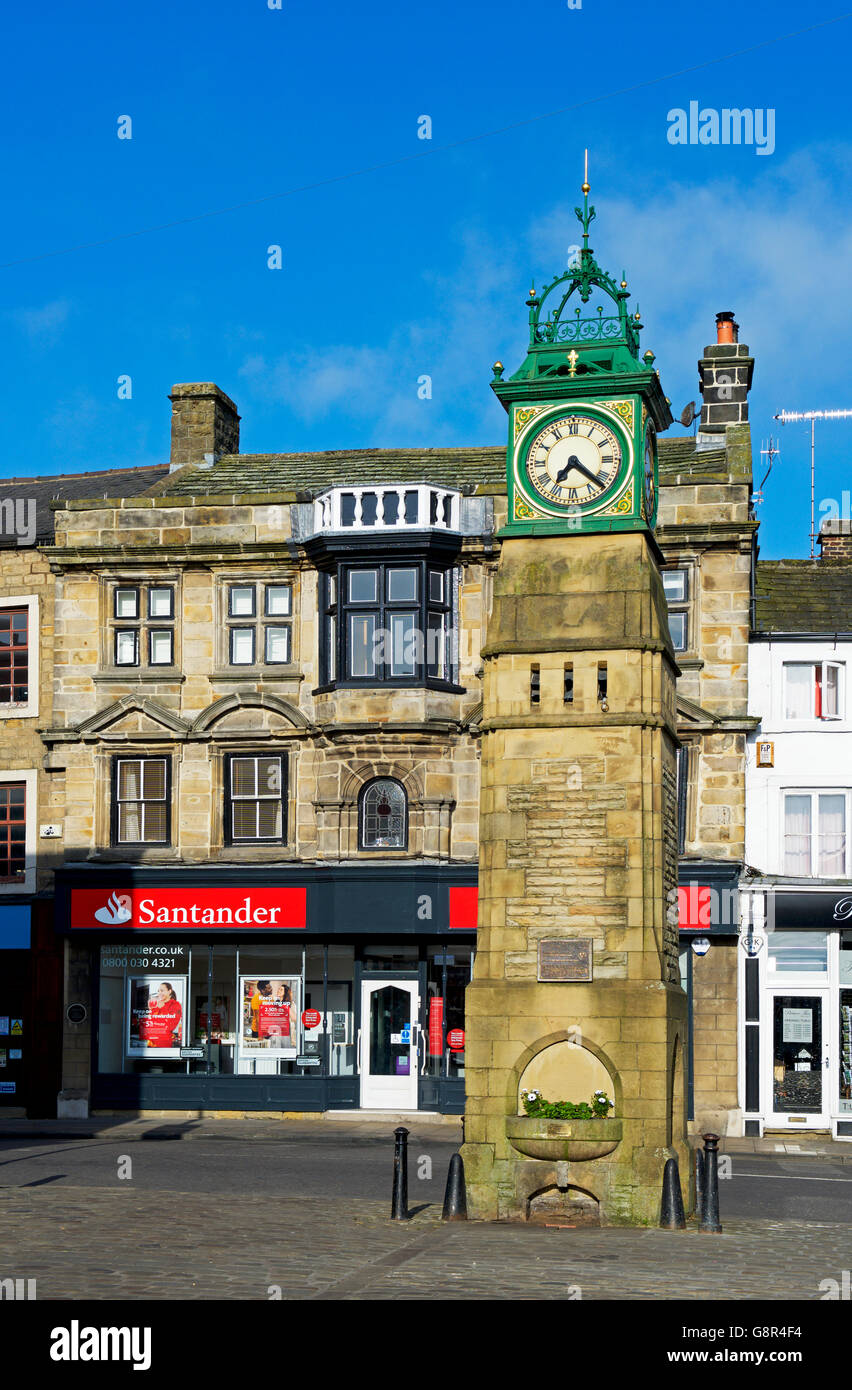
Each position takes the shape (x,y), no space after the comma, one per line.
(798,1060)
(387,1044)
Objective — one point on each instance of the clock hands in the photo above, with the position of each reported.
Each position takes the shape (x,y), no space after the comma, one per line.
(574,463)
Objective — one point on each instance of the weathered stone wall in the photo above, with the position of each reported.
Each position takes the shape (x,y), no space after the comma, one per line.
(25,573)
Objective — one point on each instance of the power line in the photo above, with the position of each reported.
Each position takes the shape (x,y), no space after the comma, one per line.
(422,154)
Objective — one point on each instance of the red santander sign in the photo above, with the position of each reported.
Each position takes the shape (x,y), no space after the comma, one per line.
(168,909)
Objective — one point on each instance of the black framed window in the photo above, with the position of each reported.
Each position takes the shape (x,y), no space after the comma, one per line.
(383,819)
(256,792)
(141,801)
(389,621)
(127,646)
(143,617)
(256,631)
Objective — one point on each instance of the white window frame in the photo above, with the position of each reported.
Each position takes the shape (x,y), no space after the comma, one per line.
(815,793)
(683,605)
(28,710)
(812,717)
(30,779)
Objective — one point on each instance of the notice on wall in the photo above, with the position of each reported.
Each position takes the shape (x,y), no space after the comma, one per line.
(156,1016)
(4,1026)
(269,1015)
(798,1025)
(565,960)
(15,1054)
(17,1027)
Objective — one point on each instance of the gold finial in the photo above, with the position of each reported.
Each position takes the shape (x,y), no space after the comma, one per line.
(586,185)
(572,358)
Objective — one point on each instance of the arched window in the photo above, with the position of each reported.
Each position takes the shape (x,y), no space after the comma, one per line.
(383,815)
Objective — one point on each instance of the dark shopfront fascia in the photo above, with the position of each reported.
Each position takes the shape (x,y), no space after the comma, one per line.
(290,989)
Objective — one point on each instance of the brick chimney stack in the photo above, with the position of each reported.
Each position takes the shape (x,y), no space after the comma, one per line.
(205,423)
(725,373)
(835,539)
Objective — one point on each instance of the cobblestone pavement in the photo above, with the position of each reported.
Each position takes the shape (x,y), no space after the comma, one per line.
(86,1243)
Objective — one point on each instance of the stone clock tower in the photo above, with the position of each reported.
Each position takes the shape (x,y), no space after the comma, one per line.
(576,985)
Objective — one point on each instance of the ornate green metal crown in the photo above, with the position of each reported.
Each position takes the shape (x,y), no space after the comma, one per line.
(568,344)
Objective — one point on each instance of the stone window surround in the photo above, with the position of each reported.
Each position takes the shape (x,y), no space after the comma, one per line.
(30,709)
(30,779)
(143,670)
(689,564)
(224,581)
(692,751)
(429,827)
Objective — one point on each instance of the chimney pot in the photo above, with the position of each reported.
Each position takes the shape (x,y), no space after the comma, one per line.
(727,329)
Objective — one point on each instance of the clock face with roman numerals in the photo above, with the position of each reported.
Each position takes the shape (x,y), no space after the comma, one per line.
(573,461)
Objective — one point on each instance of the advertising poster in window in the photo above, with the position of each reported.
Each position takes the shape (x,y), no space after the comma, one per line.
(156,1016)
(269,1015)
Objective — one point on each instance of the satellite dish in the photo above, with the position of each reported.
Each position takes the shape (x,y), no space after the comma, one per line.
(689,413)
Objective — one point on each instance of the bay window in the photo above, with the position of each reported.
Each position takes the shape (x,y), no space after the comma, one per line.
(387,622)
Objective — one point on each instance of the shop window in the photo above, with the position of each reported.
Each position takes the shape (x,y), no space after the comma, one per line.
(813,690)
(798,952)
(258,630)
(387,623)
(142,626)
(383,817)
(13,827)
(141,801)
(815,834)
(255,810)
(676,588)
(448,973)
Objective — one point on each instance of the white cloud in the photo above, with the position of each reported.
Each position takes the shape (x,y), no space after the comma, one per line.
(43,325)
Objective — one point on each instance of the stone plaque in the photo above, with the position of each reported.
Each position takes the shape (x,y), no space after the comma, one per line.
(565,960)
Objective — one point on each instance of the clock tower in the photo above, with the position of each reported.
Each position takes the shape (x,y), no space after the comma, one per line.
(584,409)
(576,986)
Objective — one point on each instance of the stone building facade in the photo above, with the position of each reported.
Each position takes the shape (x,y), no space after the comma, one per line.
(202,635)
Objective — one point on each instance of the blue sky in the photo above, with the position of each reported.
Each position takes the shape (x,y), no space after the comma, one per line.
(422,267)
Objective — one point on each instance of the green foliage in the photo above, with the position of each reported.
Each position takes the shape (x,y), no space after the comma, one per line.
(597,1108)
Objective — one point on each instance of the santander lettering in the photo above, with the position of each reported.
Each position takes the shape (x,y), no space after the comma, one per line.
(226,908)
(246,915)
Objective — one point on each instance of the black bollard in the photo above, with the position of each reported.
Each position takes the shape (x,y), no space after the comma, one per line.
(455,1200)
(399,1200)
(699,1180)
(710,1195)
(671,1211)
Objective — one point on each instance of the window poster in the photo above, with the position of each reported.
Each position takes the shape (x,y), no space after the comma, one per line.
(156,1016)
(269,1015)
(798,1025)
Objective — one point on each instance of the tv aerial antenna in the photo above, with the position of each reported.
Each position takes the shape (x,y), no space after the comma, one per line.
(787,417)
(770,452)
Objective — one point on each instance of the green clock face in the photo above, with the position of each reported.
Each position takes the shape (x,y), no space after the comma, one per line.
(648,484)
(573,461)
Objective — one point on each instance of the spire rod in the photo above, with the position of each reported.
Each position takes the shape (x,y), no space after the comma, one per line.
(587,213)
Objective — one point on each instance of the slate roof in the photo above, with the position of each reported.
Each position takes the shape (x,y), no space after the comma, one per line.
(112,482)
(803,596)
(466,468)
(246,473)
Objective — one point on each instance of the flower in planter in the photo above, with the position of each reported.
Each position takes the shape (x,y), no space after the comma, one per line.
(539,1108)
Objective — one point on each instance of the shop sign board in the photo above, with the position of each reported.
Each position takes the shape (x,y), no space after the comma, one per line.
(170,909)
(819,909)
